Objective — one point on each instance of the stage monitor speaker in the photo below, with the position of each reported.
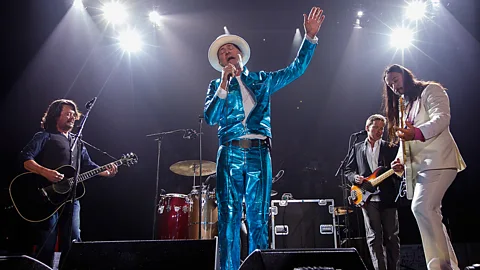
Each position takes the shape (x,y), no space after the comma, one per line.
(22,262)
(145,254)
(289,259)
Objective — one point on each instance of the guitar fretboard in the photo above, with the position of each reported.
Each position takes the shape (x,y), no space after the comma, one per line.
(382,177)
(87,175)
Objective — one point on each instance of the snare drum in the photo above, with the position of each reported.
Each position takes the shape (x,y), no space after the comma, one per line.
(172,215)
(209,214)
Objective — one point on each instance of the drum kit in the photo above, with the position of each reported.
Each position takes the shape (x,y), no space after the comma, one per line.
(178,214)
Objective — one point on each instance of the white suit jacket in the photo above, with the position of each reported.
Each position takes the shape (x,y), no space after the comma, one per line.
(431,114)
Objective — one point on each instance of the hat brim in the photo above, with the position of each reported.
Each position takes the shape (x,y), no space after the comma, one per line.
(226,39)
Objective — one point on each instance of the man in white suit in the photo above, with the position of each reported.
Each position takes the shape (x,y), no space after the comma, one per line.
(429,155)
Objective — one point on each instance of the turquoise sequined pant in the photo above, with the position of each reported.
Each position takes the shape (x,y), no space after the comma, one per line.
(242,174)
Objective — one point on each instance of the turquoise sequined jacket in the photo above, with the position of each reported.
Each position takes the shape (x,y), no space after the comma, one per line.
(229,113)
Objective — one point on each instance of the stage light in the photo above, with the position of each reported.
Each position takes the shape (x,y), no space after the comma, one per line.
(360,14)
(78,4)
(416,10)
(115,13)
(155,18)
(401,38)
(130,41)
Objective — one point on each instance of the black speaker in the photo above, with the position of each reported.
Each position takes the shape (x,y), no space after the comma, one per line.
(22,263)
(289,259)
(145,254)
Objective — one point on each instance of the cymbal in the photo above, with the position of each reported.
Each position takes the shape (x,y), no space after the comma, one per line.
(342,210)
(273,193)
(192,167)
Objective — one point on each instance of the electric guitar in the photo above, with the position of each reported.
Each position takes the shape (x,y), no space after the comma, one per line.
(360,194)
(408,183)
(36,199)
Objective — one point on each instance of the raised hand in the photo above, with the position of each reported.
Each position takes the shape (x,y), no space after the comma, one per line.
(313,22)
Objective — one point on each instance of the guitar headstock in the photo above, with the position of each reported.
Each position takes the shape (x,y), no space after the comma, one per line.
(129,159)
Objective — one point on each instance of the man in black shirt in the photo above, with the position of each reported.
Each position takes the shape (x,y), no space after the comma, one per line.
(48,150)
(380,211)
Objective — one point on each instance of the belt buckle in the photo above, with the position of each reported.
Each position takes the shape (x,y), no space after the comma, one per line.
(245,143)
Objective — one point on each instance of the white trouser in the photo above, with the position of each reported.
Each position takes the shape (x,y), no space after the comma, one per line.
(426,206)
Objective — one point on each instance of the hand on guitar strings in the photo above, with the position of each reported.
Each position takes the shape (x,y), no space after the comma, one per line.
(52,175)
(359,179)
(407,133)
(111,171)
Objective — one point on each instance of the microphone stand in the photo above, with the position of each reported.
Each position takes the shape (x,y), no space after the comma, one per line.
(76,146)
(159,138)
(344,185)
(200,201)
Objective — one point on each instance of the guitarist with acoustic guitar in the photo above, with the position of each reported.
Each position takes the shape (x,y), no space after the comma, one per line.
(50,149)
(374,189)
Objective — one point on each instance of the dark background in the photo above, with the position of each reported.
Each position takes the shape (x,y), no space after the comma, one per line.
(49,51)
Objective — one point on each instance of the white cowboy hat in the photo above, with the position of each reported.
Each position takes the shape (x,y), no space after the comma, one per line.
(225,39)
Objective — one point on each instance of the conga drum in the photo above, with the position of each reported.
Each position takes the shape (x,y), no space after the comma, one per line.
(209,214)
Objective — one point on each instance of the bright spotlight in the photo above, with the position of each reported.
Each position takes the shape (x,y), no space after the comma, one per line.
(416,10)
(78,4)
(115,12)
(436,3)
(130,41)
(401,38)
(360,14)
(155,18)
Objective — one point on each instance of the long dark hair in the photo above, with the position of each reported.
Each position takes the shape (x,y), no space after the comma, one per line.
(413,89)
(49,119)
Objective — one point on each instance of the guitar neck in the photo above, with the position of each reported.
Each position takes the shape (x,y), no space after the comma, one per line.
(382,177)
(87,175)
(402,125)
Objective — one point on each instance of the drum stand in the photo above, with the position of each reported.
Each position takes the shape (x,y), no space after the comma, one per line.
(200,203)
(200,194)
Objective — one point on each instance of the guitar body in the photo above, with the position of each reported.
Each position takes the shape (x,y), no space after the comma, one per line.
(37,199)
(360,194)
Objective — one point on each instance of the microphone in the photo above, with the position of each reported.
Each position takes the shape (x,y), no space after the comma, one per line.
(190,134)
(89,104)
(362,132)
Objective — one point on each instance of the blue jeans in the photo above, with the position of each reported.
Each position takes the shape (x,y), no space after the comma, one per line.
(47,233)
(242,174)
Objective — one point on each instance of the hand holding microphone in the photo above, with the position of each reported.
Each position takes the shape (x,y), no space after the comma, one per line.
(228,72)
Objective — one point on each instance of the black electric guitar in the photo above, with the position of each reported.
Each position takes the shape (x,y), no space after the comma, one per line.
(360,194)
(36,199)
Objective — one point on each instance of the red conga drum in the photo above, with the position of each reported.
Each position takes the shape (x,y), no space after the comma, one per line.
(172,216)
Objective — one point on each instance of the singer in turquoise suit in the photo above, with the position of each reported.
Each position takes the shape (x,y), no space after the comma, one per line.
(239,103)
